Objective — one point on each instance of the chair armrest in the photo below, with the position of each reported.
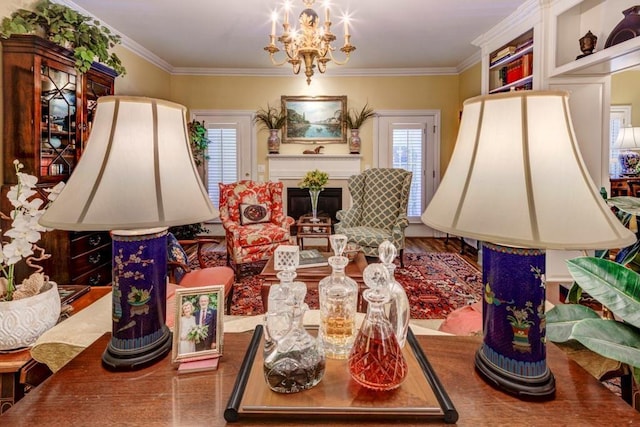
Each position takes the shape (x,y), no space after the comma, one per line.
(230,226)
(200,242)
(288,222)
(402,222)
(349,216)
(172,265)
(397,231)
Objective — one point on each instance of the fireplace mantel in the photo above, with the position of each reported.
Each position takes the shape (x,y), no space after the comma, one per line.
(295,166)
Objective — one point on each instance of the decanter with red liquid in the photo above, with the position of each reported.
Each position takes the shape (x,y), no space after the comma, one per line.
(376,360)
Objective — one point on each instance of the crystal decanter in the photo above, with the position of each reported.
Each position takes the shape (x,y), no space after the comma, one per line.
(397,309)
(376,360)
(293,359)
(338,295)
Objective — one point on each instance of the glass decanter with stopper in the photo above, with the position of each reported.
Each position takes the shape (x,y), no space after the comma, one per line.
(338,295)
(376,360)
(293,360)
(397,309)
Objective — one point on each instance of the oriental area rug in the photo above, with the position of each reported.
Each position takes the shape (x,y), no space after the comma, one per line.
(436,283)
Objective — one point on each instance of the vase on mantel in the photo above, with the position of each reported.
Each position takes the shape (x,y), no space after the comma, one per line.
(354,141)
(273,141)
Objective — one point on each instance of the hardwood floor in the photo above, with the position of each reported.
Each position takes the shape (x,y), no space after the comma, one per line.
(453,244)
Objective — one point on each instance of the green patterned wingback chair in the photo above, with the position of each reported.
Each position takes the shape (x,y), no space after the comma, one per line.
(379,211)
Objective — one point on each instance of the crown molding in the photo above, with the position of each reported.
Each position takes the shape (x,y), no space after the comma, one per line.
(333,72)
(527,13)
(469,62)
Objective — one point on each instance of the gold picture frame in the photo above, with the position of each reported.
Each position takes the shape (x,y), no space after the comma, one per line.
(314,119)
(197,312)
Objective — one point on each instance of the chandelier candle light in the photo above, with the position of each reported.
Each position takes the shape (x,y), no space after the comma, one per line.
(502,186)
(311,43)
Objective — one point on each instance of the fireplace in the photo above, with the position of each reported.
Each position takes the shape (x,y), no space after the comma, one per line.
(290,168)
(299,202)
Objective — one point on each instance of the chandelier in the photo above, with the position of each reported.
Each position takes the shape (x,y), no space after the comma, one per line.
(310,43)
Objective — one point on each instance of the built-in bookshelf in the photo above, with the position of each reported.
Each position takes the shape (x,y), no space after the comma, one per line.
(511,65)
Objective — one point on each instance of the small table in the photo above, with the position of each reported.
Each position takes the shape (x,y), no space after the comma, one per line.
(306,228)
(19,373)
(311,276)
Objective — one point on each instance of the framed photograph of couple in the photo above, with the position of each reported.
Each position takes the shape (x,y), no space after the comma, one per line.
(198,327)
(314,119)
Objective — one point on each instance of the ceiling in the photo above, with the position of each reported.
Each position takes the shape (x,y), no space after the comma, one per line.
(215,36)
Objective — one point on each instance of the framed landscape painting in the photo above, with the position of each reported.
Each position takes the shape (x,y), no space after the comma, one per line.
(314,119)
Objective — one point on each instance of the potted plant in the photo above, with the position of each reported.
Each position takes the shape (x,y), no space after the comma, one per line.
(199,144)
(199,141)
(66,27)
(617,288)
(29,309)
(354,120)
(271,119)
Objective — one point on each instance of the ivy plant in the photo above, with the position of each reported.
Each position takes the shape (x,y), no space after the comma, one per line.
(89,40)
(199,141)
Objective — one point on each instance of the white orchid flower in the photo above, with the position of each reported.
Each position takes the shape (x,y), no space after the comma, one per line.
(16,250)
(54,191)
(28,207)
(27,180)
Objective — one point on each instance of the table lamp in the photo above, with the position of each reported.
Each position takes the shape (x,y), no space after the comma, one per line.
(136,178)
(628,142)
(517,181)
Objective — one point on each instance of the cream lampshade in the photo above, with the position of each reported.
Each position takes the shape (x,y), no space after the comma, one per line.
(628,142)
(136,177)
(517,180)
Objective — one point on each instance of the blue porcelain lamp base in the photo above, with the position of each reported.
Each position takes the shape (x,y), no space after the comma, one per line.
(512,357)
(629,162)
(139,335)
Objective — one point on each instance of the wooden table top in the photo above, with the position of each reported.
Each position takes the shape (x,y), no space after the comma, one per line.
(84,393)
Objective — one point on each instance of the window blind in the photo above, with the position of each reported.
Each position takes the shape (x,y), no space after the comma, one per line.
(408,153)
(222,165)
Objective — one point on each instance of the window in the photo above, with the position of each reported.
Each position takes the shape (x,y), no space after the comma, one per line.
(231,149)
(222,163)
(408,154)
(619,116)
(410,140)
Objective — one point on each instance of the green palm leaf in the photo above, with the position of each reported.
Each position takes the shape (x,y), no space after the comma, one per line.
(562,318)
(628,204)
(613,285)
(610,339)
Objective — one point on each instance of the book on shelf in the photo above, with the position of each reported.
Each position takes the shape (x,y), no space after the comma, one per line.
(507,51)
(311,258)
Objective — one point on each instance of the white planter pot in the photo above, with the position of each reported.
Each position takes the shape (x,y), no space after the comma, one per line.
(24,320)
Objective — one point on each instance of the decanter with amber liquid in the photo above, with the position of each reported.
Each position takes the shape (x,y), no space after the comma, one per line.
(338,295)
(376,360)
(397,309)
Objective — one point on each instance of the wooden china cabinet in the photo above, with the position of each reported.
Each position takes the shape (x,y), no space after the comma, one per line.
(48,112)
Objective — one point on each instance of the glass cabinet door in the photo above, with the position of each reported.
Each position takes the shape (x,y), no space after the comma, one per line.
(94,89)
(58,144)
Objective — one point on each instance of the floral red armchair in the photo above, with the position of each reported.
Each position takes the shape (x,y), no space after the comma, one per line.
(253,220)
